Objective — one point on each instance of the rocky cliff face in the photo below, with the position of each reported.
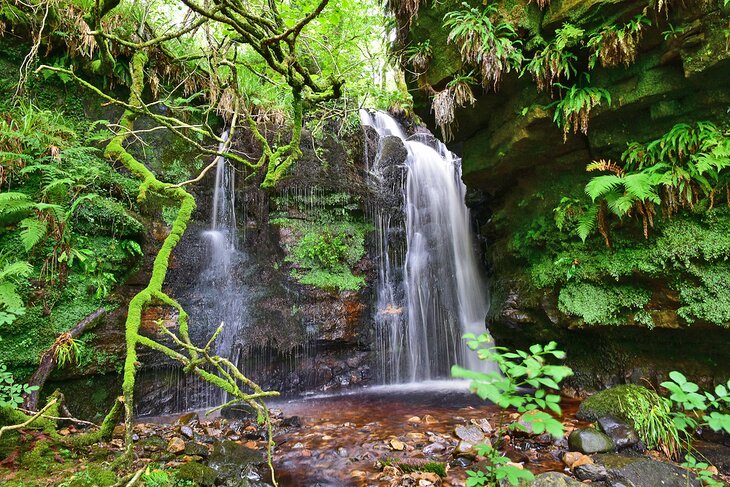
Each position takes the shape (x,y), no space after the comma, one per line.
(547,285)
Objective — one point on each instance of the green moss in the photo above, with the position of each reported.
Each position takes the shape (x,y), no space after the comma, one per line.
(601,305)
(644,409)
(105,216)
(196,472)
(93,476)
(623,402)
(326,245)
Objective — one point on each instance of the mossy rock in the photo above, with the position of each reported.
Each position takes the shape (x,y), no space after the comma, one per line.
(94,476)
(197,472)
(105,216)
(619,401)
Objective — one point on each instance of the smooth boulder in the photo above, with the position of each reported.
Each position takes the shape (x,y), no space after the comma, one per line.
(589,441)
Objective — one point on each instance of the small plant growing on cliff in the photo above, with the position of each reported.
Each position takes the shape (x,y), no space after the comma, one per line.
(615,45)
(419,56)
(492,47)
(458,92)
(573,110)
(554,61)
(519,371)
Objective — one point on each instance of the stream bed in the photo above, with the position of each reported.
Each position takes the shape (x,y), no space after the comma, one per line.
(344,440)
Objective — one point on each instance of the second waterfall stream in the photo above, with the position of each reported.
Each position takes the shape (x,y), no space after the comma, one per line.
(432,295)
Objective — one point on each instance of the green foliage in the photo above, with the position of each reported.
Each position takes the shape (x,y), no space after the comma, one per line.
(525,381)
(488,45)
(11,302)
(11,393)
(554,61)
(701,470)
(573,110)
(615,45)
(409,467)
(649,413)
(328,244)
(601,305)
(694,409)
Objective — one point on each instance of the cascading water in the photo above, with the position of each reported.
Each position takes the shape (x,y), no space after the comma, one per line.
(432,295)
(223,296)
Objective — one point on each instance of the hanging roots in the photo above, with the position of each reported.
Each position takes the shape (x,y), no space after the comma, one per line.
(442,107)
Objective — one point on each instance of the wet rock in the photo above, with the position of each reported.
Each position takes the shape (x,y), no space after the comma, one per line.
(189,419)
(428,419)
(620,432)
(470,434)
(397,445)
(462,462)
(434,448)
(589,440)
(175,445)
(234,462)
(342,452)
(584,460)
(292,422)
(591,471)
(625,471)
(187,431)
(198,473)
(196,449)
(554,479)
(571,457)
(414,419)
(484,425)
(153,443)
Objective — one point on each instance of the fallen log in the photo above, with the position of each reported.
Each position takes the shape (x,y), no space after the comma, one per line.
(48,359)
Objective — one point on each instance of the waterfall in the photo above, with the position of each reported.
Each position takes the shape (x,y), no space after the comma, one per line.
(430,293)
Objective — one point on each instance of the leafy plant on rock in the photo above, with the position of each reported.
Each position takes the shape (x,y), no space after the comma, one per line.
(694,409)
(678,170)
(554,61)
(573,110)
(614,45)
(527,382)
(492,47)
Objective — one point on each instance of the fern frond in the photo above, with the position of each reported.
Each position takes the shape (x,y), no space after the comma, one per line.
(14,204)
(604,165)
(15,270)
(10,299)
(642,186)
(601,185)
(587,222)
(33,232)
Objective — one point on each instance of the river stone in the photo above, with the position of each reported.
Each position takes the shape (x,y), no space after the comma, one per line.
(622,434)
(234,462)
(434,448)
(554,479)
(469,433)
(198,473)
(187,431)
(397,445)
(624,471)
(176,445)
(589,440)
(591,471)
(190,419)
(196,449)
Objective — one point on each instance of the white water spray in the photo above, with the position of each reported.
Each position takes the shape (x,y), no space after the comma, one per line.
(442,296)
